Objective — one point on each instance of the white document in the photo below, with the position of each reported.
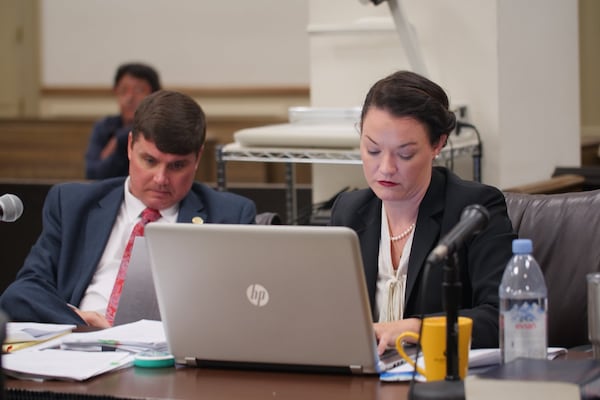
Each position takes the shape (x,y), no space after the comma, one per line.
(142,331)
(48,361)
(478,358)
(487,357)
(134,337)
(63,365)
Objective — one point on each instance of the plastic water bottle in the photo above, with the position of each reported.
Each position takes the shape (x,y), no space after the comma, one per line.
(523,306)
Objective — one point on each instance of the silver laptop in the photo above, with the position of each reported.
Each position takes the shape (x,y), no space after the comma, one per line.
(138,298)
(264,296)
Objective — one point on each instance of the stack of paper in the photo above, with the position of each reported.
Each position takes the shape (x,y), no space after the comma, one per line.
(52,360)
(63,365)
(139,336)
(20,335)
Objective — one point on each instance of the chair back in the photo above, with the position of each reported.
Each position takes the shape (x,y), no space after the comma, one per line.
(565,230)
(268,218)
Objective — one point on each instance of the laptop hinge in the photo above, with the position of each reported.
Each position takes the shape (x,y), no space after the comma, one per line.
(356,369)
(259,366)
(191,361)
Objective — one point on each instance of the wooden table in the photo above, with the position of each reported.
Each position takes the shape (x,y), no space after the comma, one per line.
(203,383)
(200,383)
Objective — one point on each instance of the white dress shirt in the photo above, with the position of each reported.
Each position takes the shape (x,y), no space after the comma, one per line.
(100,288)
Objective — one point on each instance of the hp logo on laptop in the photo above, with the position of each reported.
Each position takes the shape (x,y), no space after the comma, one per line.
(257,295)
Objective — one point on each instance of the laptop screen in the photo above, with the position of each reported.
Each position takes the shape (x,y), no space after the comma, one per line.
(138,298)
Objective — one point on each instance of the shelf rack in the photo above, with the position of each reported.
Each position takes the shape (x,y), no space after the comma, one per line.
(457,147)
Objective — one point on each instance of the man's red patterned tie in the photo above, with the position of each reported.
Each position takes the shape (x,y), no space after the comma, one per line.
(148,215)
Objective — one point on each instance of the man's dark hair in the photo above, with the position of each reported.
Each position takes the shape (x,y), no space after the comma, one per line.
(173,121)
(140,71)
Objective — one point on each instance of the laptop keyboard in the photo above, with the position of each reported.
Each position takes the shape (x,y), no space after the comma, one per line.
(389,355)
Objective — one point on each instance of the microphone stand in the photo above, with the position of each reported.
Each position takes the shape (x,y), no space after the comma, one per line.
(452,388)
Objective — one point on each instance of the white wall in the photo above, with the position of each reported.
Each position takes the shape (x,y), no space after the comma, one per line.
(193,43)
(538,88)
(514,63)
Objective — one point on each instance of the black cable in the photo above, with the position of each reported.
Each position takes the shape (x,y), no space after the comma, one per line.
(478,151)
(308,211)
(460,125)
(450,163)
(328,204)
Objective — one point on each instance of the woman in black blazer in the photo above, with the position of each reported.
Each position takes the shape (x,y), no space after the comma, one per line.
(410,205)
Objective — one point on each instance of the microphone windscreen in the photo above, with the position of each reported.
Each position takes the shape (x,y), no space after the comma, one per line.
(11,208)
(478,213)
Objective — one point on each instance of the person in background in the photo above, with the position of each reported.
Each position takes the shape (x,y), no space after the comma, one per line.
(411,204)
(106,155)
(69,274)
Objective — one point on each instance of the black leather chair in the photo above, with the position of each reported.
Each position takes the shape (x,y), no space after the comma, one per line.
(565,230)
(268,218)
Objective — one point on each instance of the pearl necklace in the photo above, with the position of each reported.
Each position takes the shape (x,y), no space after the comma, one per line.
(403,234)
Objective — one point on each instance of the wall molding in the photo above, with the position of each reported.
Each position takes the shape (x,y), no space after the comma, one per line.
(590,130)
(243,101)
(233,91)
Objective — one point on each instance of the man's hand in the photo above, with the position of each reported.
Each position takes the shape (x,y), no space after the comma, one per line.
(92,318)
(110,148)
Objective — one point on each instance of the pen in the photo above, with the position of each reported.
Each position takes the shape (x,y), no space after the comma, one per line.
(106,344)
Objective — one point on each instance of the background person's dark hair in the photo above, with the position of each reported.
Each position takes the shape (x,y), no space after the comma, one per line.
(407,94)
(140,71)
(173,121)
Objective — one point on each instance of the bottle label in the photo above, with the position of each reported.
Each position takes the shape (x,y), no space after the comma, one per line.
(524,330)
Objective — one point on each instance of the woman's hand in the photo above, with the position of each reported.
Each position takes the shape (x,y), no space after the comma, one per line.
(387,332)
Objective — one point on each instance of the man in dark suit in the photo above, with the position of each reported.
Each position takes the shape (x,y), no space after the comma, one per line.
(106,155)
(69,274)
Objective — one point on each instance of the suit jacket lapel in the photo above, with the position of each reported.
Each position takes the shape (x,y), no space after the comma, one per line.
(191,207)
(98,226)
(428,229)
(101,219)
(368,228)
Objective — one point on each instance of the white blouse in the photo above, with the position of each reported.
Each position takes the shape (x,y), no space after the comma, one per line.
(391,284)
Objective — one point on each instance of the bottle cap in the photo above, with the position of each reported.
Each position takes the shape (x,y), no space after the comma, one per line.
(522,246)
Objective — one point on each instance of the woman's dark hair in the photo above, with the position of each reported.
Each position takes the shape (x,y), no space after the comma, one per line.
(140,71)
(173,121)
(407,94)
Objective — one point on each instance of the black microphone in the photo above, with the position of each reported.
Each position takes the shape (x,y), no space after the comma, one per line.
(11,208)
(472,220)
